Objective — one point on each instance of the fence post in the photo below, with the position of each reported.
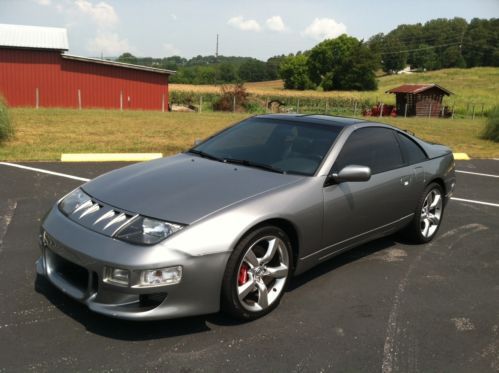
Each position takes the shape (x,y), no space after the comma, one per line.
(37,98)
(452,115)
(79,99)
(473,116)
(298,106)
(405,110)
(121,100)
(442,114)
(355,108)
(200,104)
(163,103)
(429,112)
(234,104)
(381,110)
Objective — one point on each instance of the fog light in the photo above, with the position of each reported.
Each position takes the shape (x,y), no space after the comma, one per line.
(161,276)
(117,276)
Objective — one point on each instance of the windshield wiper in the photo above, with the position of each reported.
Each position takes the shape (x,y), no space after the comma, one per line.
(262,166)
(205,155)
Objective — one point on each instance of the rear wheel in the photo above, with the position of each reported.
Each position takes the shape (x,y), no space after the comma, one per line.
(428,215)
(257,273)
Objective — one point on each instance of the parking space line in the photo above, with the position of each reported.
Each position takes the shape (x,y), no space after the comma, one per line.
(44,171)
(477,202)
(477,173)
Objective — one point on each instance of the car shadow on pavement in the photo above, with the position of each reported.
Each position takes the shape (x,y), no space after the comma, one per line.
(149,330)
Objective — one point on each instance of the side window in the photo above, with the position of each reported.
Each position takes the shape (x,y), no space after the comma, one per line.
(412,151)
(374,147)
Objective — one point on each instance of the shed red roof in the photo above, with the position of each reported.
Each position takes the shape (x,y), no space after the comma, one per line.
(417,88)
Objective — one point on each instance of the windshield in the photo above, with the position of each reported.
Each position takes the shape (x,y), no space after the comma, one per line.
(273,145)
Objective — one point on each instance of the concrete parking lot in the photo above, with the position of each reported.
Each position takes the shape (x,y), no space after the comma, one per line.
(386,306)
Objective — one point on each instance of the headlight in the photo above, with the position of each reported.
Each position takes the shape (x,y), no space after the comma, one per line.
(147,231)
(73,201)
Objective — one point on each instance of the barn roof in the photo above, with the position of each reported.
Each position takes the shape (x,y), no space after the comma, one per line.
(117,64)
(417,88)
(18,36)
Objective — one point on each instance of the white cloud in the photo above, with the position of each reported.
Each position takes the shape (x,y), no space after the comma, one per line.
(276,23)
(324,28)
(102,13)
(245,25)
(173,16)
(109,44)
(171,50)
(43,2)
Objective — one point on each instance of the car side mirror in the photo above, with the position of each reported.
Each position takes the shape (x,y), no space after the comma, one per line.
(349,173)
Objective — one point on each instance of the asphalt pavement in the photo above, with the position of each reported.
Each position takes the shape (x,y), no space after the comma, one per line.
(386,306)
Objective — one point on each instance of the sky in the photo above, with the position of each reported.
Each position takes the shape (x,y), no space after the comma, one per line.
(254,28)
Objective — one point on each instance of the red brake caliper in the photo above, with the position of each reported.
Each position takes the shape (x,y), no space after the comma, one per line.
(243,274)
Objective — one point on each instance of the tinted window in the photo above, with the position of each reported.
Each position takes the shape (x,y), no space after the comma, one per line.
(293,147)
(412,152)
(376,148)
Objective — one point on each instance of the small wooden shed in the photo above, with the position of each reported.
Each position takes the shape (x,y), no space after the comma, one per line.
(420,99)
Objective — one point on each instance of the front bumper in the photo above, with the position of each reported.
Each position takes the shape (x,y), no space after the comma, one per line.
(74,260)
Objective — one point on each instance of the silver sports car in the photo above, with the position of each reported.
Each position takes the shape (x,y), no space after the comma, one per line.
(227,223)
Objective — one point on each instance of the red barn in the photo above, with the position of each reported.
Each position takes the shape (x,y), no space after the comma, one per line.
(36,71)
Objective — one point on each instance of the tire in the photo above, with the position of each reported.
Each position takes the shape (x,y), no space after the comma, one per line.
(257,273)
(428,215)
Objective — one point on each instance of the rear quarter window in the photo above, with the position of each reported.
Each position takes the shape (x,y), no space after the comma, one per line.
(412,151)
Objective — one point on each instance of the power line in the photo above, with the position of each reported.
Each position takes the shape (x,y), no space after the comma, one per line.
(420,49)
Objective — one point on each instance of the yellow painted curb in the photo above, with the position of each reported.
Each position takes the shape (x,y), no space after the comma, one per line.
(461,157)
(109,157)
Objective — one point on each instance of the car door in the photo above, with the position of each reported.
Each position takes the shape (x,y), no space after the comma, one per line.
(356,211)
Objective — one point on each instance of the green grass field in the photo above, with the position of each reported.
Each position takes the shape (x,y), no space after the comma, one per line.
(44,134)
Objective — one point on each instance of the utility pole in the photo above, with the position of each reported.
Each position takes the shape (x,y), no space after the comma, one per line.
(216,50)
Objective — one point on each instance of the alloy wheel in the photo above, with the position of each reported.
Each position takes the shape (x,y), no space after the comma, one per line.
(262,273)
(431,213)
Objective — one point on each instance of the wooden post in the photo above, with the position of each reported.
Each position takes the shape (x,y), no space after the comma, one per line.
(121,100)
(267,105)
(473,117)
(443,111)
(355,108)
(452,115)
(234,104)
(79,99)
(405,110)
(37,98)
(381,110)
(429,112)
(327,106)
(163,103)
(298,106)
(200,104)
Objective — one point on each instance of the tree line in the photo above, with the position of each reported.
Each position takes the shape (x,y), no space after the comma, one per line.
(346,63)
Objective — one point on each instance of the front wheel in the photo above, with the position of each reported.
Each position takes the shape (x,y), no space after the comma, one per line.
(428,215)
(257,273)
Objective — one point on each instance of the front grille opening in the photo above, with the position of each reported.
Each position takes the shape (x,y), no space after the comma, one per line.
(152,300)
(95,282)
(71,272)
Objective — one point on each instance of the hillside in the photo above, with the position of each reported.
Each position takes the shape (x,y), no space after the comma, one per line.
(477,86)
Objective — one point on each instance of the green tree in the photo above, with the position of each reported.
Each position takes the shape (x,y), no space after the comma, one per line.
(226,73)
(394,56)
(128,58)
(294,71)
(342,63)
(252,70)
(451,57)
(425,58)
(272,67)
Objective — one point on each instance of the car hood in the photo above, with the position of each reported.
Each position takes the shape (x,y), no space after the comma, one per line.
(182,188)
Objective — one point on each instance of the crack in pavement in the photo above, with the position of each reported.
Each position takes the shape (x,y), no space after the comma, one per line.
(6,218)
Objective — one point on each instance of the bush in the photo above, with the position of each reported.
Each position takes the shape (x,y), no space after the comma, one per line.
(491,130)
(229,93)
(6,129)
